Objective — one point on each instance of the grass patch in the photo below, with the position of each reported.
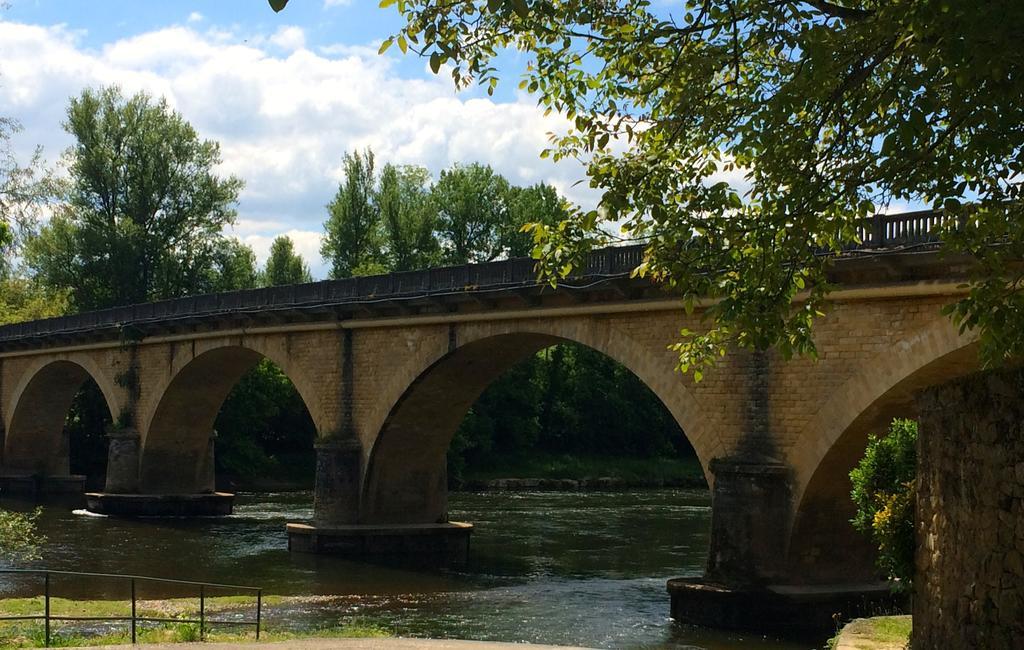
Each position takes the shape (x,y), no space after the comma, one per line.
(27,635)
(885,631)
(180,607)
(30,634)
(891,629)
(577,467)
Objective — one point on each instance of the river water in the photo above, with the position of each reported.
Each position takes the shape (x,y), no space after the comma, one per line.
(579,568)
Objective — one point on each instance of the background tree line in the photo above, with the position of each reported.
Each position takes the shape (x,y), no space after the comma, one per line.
(141,214)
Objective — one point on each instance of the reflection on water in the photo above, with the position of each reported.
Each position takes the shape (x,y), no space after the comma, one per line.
(546,567)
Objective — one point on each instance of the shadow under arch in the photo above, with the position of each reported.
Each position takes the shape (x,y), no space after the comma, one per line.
(405,480)
(176,455)
(821,535)
(35,439)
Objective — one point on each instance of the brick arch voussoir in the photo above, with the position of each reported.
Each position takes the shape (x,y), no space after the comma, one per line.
(86,362)
(658,374)
(265,346)
(876,378)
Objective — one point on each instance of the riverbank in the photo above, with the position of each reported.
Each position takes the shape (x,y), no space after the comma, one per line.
(585,484)
(566,472)
(351,635)
(356,644)
(540,472)
(237,609)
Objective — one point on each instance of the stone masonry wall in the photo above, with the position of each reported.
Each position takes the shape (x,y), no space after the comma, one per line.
(970,556)
(874,350)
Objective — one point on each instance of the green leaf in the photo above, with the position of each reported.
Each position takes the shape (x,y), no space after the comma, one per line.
(278,5)
(521,8)
(889,144)
(435,62)
(385,45)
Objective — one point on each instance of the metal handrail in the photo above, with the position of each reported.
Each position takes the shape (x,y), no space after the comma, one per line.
(135,619)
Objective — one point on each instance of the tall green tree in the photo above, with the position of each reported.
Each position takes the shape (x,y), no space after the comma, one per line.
(24,190)
(233,267)
(567,400)
(22,299)
(285,266)
(353,236)
(145,208)
(409,217)
(472,211)
(540,203)
(742,136)
(264,429)
(398,221)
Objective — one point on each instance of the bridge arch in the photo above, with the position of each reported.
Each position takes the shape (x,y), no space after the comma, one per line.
(405,480)
(834,440)
(39,406)
(176,455)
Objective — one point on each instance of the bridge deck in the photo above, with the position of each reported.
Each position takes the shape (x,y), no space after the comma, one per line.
(888,233)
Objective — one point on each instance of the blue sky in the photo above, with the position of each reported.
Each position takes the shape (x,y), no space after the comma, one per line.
(285,94)
(325,23)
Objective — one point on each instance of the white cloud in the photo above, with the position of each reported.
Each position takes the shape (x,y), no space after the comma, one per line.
(284,115)
(195,17)
(307,244)
(897,206)
(336,3)
(289,38)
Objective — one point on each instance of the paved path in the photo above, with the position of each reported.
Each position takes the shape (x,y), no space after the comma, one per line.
(345,644)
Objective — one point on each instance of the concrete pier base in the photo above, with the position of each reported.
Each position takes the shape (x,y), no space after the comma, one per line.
(31,485)
(212,504)
(414,543)
(787,609)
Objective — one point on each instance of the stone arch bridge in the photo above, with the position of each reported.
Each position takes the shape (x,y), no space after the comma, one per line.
(388,366)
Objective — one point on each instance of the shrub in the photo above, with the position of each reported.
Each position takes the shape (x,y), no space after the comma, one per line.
(19,538)
(884,493)
(186,633)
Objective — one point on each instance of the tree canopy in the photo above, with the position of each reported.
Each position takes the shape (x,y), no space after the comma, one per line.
(145,209)
(22,299)
(20,539)
(352,242)
(738,137)
(471,213)
(24,190)
(285,266)
(410,217)
(541,204)
(884,493)
(398,220)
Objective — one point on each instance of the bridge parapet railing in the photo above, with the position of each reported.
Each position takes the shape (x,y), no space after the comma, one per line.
(882,231)
(898,230)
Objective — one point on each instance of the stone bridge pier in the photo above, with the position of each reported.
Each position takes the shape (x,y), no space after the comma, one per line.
(388,366)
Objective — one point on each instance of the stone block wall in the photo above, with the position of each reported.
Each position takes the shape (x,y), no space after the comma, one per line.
(808,419)
(969,589)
